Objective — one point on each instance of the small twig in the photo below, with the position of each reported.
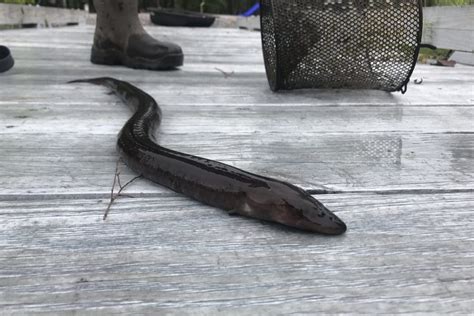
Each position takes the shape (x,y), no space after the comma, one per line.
(126,184)
(117,175)
(113,184)
(226,74)
(113,196)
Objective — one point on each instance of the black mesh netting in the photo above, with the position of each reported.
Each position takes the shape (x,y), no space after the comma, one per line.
(364,44)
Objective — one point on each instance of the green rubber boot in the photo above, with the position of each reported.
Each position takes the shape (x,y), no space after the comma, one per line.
(120,39)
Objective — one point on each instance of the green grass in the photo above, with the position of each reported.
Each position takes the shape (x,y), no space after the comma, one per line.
(426,53)
(432,3)
(19,1)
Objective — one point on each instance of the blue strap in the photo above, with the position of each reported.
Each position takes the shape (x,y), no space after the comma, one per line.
(252,10)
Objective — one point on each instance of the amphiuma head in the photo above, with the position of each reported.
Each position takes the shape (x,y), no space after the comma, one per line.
(289,205)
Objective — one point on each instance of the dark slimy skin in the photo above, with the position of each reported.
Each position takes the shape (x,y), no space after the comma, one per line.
(208,181)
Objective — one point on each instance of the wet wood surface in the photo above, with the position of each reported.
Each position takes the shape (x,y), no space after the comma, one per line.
(398,169)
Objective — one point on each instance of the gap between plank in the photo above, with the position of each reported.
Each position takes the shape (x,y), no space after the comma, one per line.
(106,195)
(391,191)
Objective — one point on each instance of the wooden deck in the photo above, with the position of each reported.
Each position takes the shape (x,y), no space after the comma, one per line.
(400,167)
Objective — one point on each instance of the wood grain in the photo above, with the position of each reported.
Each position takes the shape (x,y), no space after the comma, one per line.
(402,253)
(46,163)
(400,168)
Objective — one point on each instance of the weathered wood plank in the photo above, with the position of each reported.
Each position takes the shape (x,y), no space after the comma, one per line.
(449,27)
(402,253)
(80,164)
(204,85)
(14,14)
(463,58)
(250,23)
(74,114)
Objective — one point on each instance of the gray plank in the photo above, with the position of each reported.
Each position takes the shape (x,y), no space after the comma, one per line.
(463,58)
(24,14)
(402,253)
(75,163)
(449,27)
(105,114)
(208,87)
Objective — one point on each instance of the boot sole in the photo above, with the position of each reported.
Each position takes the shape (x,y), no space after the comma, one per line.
(116,57)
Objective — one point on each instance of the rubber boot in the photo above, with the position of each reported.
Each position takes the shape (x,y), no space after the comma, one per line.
(120,39)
